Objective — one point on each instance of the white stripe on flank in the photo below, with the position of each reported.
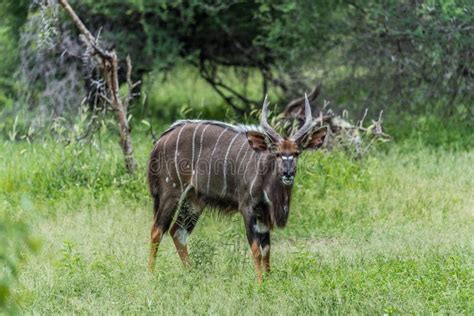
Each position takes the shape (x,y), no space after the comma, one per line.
(199,156)
(242,160)
(158,142)
(164,156)
(247,166)
(152,161)
(238,176)
(176,159)
(194,140)
(256,175)
(225,164)
(237,158)
(210,159)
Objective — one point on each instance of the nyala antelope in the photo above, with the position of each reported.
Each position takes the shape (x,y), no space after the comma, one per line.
(249,169)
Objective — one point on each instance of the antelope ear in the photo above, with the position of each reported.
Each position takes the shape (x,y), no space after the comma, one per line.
(258,141)
(314,139)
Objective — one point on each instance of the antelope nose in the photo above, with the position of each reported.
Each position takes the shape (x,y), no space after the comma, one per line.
(287,178)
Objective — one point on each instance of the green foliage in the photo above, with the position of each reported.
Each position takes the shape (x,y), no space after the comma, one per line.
(16,243)
(432,131)
(402,56)
(197,27)
(13,15)
(8,52)
(414,56)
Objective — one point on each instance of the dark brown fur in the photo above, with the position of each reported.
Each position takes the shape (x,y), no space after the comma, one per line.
(234,169)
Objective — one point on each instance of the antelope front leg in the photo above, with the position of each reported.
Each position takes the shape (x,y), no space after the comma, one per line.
(257,259)
(265,245)
(258,236)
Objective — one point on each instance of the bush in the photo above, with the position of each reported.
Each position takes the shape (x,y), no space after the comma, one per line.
(15,243)
(432,131)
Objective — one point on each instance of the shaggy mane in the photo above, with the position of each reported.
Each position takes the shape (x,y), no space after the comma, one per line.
(240,128)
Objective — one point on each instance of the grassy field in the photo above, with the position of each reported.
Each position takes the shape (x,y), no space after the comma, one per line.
(390,234)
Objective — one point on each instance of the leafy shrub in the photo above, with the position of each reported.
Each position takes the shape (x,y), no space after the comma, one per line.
(433,131)
(15,243)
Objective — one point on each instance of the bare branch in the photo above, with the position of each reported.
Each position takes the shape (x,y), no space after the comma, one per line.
(108,66)
(83,29)
(361,123)
(129,96)
(343,133)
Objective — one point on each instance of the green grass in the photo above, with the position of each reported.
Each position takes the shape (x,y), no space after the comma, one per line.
(390,234)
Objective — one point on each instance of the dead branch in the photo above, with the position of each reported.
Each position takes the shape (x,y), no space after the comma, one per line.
(341,131)
(108,68)
(130,84)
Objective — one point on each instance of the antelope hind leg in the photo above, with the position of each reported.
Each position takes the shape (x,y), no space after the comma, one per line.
(156,235)
(182,228)
(163,216)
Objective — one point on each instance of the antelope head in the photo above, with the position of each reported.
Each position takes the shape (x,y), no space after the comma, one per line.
(285,150)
